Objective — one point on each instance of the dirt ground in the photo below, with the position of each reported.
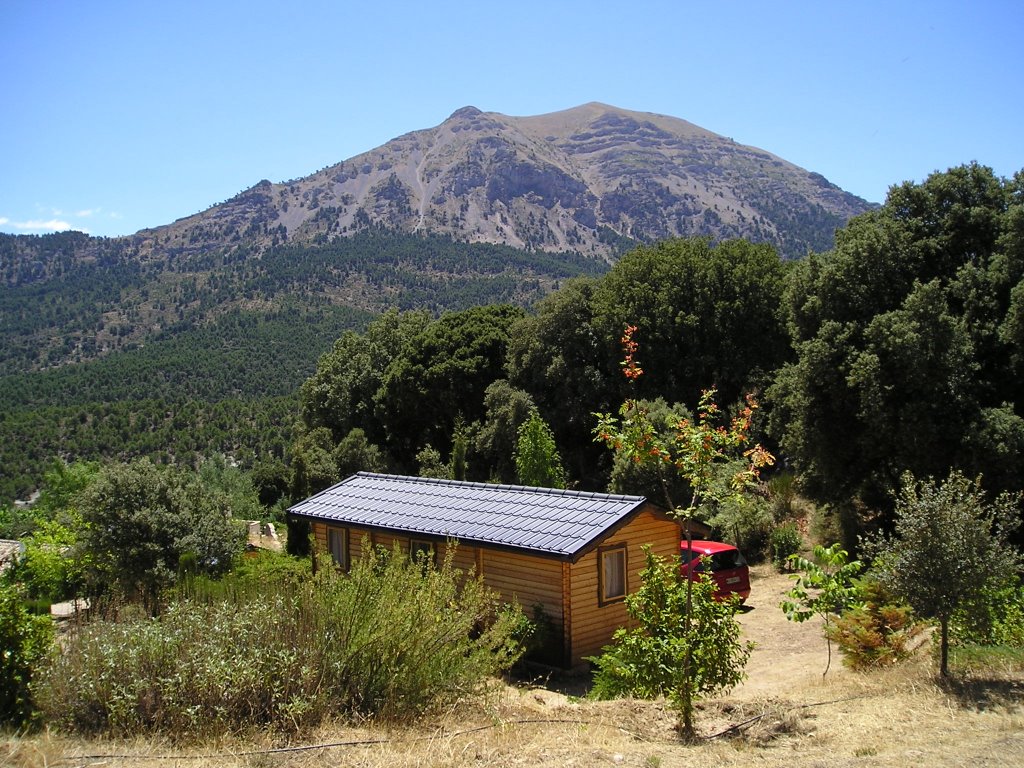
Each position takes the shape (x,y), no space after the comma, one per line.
(786,655)
(786,714)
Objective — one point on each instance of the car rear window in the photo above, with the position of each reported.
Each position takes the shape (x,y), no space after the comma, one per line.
(726,561)
(720,561)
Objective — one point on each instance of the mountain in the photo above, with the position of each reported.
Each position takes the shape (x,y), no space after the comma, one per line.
(587,180)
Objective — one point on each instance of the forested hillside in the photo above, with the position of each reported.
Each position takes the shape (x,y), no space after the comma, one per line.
(107,355)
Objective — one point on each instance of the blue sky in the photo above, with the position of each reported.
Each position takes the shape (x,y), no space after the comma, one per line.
(122,115)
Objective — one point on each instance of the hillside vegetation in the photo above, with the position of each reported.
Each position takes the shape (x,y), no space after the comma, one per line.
(105,355)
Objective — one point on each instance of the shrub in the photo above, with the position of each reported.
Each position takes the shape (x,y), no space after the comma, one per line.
(950,550)
(389,640)
(25,640)
(996,619)
(782,493)
(785,540)
(139,519)
(747,521)
(876,632)
(46,569)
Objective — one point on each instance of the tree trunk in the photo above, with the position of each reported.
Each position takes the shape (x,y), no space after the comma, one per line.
(689,734)
(944,646)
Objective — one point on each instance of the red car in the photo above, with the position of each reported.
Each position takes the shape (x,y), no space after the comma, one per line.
(728,566)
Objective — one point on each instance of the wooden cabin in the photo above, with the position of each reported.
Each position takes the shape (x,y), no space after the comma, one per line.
(572,555)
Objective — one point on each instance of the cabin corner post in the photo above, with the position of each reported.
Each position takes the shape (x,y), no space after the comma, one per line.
(567,639)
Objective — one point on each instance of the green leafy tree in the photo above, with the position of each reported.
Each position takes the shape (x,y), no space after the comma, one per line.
(270,478)
(47,568)
(313,465)
(61,484)
(443,377)
(355,453)
(430,463)
(652,659)
(562,360)
(949,550)
(824,587)
(16,522)
(710,314)
(536,456)
(907,343)
(139,520)
(495,442)
(340,395)
(230,487)
(694,451)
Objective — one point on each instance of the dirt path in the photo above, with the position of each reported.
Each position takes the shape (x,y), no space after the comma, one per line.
(787,656)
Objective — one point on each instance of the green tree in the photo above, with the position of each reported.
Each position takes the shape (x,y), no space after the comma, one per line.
(949,550)
(270,478)
(443,376)
(506,408)
(47,568)
(652,658)
(561,359)
(824,587)
(536,456)
(61,484)
(140,520)
(459,463)
(230,488)
(313,465)
(906,344)
(355,453)
(340,395)
(709,315)
(430,464)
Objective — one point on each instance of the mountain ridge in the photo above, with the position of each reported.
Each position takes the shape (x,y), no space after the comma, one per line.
(584,179)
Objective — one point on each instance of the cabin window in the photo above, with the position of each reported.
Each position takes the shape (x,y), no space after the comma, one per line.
(337,542)
(422,551)
(611,563)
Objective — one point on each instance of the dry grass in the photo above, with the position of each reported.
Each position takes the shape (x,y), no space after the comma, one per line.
(785,715)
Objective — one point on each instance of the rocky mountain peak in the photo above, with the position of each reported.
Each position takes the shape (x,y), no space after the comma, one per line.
(586,179)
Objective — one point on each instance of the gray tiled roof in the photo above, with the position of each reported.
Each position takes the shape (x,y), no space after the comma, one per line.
(545,520)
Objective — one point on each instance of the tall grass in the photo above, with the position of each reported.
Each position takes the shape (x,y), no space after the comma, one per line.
(390,640)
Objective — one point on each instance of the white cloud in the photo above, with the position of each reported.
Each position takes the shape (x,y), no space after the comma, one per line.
(48,219)
(37,226)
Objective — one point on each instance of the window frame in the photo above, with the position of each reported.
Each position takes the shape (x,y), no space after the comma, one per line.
(341,532)
(612,550)
(428,547)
